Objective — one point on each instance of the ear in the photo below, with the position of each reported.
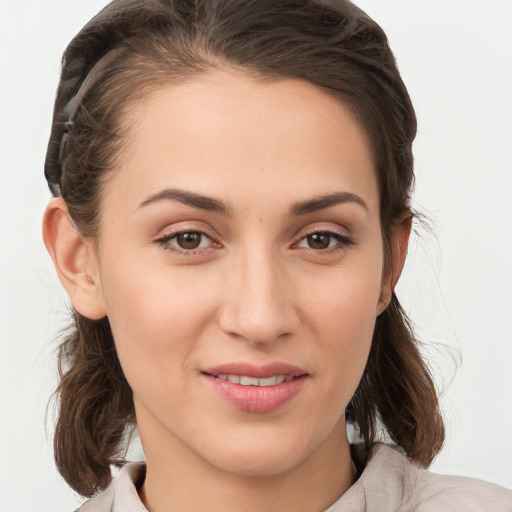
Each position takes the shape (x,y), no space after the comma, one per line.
(399,244)
(74,260)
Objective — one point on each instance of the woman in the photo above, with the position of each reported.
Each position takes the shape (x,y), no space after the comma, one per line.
(231,216)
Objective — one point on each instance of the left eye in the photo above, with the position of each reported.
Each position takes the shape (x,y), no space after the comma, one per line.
(189,240)
(322,240)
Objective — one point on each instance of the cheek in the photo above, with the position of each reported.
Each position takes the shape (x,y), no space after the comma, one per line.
(155,317)
(346,303)
(142,295)
(347,332)
(343,314)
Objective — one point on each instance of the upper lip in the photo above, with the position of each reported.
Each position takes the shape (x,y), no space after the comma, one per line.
(256,371)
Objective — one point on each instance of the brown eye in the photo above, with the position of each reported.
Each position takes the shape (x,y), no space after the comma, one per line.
(319,240)
(325,241)
(187,243)
(189,240)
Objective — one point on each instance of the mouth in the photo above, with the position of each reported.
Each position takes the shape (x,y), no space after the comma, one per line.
(246,380)
(247,374)
(256,389)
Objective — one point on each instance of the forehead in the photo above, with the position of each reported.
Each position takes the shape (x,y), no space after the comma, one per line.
(228,133)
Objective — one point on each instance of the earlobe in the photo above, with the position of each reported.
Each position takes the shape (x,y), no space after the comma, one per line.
(399,245)
(72,257)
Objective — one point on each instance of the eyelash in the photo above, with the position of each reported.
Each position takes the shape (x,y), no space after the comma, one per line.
(342,238)
(164,241)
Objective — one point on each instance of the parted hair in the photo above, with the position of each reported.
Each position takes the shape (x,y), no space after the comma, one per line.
(133,47)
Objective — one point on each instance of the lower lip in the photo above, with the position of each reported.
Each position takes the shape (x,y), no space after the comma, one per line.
(257,398)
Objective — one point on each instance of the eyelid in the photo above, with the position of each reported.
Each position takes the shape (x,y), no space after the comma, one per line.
(325,229)
(173,232)
(344,237)
(187,226)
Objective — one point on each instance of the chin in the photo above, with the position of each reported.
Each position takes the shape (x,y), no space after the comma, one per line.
(260,464)
(260,456)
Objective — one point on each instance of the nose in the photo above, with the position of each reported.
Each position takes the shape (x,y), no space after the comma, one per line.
(258,305)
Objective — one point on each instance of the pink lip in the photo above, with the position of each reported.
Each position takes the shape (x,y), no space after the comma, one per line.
(252,370)
(256,398)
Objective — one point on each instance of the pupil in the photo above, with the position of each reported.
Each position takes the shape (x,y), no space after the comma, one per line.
(189,240)
(318,241)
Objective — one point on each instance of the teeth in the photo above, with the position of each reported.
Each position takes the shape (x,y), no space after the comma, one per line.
(249,381)
(253,381)
(269,381)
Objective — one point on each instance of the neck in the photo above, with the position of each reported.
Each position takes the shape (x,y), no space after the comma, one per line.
(194,484)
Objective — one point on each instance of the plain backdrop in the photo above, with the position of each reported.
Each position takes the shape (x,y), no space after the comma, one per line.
(456,59)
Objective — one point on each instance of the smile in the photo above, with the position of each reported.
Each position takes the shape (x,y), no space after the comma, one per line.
(256,389)
(245,380)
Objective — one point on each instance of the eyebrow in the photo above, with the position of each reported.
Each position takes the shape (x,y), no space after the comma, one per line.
(216,205)
(323,202)
(189,198)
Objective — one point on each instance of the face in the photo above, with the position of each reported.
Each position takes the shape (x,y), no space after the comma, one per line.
(240,262)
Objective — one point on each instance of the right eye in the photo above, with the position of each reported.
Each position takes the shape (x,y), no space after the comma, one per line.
(186,242)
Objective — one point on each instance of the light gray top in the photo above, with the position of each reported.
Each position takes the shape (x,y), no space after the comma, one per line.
(389,483)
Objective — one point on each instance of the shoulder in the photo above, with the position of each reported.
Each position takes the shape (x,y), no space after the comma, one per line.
(436,492)
(424,491)
(392,483)
(121,495)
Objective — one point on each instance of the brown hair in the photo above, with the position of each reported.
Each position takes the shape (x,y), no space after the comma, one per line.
(134,46)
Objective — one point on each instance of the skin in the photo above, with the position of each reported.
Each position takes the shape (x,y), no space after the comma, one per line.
(257,289)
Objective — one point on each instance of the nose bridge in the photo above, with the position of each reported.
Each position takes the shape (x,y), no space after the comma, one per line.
(259,308)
